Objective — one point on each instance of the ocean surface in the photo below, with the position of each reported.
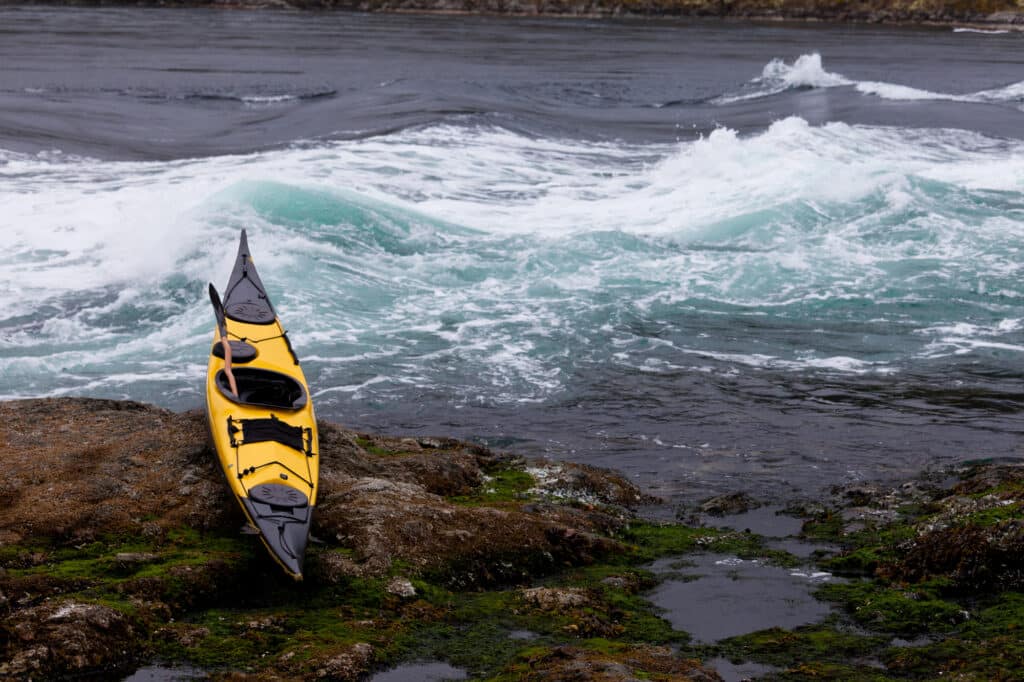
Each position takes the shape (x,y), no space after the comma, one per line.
(716,256)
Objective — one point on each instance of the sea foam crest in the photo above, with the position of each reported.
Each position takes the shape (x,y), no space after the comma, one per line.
(523,258)
(983,31)
(777,76)
(808,71)
(1011,93)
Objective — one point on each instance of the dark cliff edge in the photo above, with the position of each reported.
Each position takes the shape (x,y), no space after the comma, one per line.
(120,548)
(983,13)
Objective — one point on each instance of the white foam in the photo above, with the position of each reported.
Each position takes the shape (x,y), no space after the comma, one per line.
(1013,92)
(808,71)
(464,248)
(353,388)
(268,99)
(777,76)
(983,31)
(960,338)
(906,93)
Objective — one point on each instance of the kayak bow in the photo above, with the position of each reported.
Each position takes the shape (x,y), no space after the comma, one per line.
(264,431)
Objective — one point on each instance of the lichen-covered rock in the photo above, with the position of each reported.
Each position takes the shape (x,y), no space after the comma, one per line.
(400,587)
(67,638)
(731,503)
(587,484)
(977,558)
(968,534)
(555,598)
(630,664)
(124,505)
(980,477)
(82,468)
(349,664)
(384,521)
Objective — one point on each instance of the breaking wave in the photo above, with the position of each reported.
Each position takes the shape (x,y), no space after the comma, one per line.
(807,71)
(500,266)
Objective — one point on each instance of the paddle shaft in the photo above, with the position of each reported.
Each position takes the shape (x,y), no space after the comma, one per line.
(222,327)
(227,364)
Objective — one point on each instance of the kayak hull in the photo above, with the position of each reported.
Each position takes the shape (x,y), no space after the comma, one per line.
(265,436)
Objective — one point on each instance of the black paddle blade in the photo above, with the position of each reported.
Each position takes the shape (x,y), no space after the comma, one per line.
(218,310)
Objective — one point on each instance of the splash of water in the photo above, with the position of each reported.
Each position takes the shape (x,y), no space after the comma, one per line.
(808,71)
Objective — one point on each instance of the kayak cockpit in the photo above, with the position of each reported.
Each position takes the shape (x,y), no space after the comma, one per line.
(264,388)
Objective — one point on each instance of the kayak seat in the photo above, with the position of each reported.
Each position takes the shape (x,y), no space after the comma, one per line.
(241,352)
(264,388)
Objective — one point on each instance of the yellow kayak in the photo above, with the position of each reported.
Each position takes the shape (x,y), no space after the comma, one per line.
(261,416)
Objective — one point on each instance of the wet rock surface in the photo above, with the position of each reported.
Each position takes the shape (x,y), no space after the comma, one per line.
(632,664)
(969,533)
(61,637)
(731,503)
(934,588)
(119,540)
(120,547)
(77,469)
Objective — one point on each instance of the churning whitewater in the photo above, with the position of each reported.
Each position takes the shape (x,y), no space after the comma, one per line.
(766,301)
(501,265)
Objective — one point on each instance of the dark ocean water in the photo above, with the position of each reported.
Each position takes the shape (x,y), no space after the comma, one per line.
(715,256)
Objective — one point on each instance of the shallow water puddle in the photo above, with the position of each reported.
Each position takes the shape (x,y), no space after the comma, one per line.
(781,530)
(713,597)
(800,548)
(522,634)
(766,521)
(434,671)
(737,672)
(159,673)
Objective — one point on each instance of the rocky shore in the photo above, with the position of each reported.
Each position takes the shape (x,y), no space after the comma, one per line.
(982,13)
(120,548)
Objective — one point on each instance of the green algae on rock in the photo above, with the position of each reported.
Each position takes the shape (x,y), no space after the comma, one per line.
(119,547)
(118,543)
(934,588)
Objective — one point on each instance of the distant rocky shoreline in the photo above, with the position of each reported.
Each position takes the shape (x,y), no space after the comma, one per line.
(1006,14)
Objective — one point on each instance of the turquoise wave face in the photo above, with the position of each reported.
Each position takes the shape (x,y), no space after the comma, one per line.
(487,267)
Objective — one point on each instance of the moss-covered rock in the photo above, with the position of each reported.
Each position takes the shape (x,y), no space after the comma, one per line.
(989,646)
(437,549)
(937,567)
(817,644)
(119,542)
